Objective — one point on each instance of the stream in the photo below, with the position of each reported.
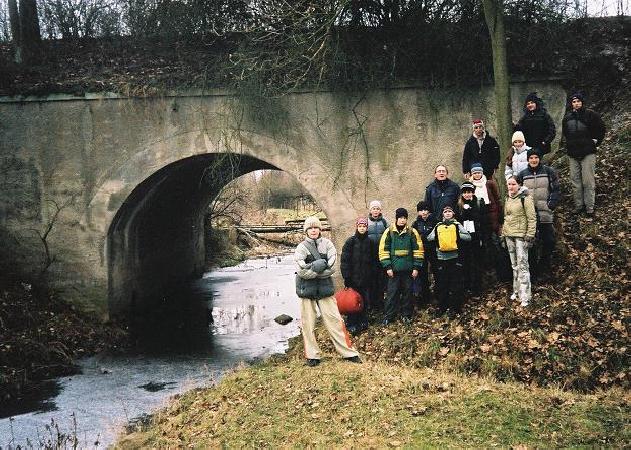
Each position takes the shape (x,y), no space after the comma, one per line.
(240,304)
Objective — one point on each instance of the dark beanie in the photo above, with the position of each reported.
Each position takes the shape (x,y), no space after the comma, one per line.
(579,95)
(532,97)
(400,212)
(422,205)
(533,151)
(467,185)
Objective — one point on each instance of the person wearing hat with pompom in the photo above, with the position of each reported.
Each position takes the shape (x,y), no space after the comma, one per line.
(315,258)
(401,255)
(542,182)
(536,124)
(469,214)
(356,265)
(448,235)
(517,157)
(480,148)
(583,131)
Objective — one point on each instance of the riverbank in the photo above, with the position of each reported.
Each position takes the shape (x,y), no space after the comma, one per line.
(281,402)
(41,337)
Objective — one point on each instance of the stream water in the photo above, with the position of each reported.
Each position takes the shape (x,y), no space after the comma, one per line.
(239,304)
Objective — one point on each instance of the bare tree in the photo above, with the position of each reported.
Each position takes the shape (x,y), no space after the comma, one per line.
(44,233)
(494,17)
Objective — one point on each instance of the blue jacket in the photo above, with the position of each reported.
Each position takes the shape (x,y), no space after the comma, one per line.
(439,194)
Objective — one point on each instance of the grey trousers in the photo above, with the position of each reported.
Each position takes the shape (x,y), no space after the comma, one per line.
(582,175)
(518,252)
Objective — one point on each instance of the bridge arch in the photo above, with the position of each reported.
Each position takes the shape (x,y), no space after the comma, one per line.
(155,236)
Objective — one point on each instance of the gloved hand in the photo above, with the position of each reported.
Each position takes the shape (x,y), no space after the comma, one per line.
(530,241)
(318,265)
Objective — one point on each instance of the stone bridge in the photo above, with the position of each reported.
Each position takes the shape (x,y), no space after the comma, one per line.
(125,182)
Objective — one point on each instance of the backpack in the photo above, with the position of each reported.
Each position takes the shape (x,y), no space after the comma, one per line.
(447,237)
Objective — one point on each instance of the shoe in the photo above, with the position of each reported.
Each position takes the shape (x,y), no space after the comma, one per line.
(312,362)
(524,304)
(589,213)
(578,210)
(386,322)
(513,296)
(354,359)
(407,320)
(352,329)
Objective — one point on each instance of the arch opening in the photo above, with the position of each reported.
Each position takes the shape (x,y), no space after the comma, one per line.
(156,241)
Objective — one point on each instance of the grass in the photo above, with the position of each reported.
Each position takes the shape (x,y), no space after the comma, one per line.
(283,403)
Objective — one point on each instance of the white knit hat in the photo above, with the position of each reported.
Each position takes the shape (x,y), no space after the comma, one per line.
(375,204)
(312,222)
(518,136)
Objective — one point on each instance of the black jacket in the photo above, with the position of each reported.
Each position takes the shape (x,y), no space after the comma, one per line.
(470,210)
(538,128)
(356,264)
(488,155)
(579,128)
(439,194)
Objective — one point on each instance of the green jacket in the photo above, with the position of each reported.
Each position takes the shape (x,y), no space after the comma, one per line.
(401,251)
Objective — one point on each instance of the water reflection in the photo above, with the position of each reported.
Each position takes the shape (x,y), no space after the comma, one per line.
(198,332)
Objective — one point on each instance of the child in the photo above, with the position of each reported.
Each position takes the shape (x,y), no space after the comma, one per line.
(470,252)
(401,255)
(424,224)
(520,226)
(357,270)
(315,257)
(377,224)
(487,192)
(448,234)
(517,158)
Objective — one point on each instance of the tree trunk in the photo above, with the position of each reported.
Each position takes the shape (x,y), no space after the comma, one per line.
(14,20)
(494,17)
(30,37)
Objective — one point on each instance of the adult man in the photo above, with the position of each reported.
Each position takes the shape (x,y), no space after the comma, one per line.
(315,257)
(583,131)
(543,184)
(536,124)
(441,192)
(480,148)
(401,254)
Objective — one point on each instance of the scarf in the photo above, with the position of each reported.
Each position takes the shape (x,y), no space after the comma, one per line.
(480,189)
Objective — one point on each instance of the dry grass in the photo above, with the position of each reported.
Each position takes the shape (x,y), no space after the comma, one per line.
(283,403)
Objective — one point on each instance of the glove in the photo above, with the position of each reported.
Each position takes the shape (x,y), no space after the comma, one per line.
(319,265)
(529,241)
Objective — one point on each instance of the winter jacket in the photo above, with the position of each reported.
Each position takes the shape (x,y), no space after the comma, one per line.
(519,161)
(490,212)
(543,184)
(488,155)
(461,233)
(538,128)
(376,227)
(402,250)
(356,263)
(439,194)
(520,218)
(309,283)
(579,128)
(470,210)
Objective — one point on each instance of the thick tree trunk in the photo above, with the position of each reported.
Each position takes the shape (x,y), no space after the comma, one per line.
(494,17)
(14,20)
(30,37)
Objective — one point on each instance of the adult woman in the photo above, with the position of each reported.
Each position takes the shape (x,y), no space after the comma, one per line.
(520,226)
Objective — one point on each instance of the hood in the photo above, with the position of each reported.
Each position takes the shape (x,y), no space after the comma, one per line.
(522,192)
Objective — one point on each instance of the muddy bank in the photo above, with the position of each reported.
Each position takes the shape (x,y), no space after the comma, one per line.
(41,336)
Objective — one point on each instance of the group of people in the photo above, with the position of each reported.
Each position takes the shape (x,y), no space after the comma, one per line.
(459,232)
